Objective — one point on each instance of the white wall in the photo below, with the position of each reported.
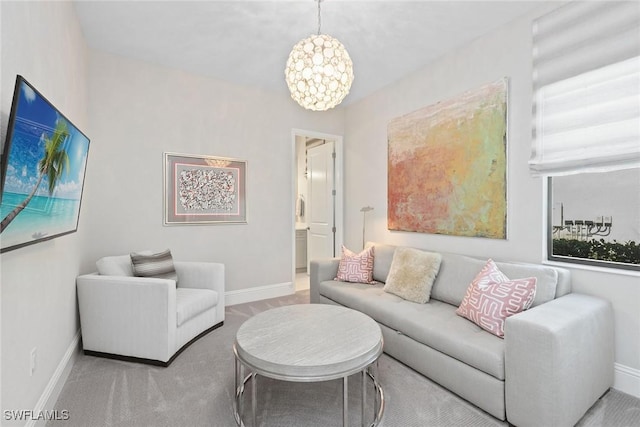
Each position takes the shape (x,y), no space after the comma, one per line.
(138,111)
(43,42)
(504,52)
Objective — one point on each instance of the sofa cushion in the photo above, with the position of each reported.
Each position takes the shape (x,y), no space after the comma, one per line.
(546,278)
(434,324)
(457,271)
(158,265)
(356,267)
(412,274)
(489,274)
(382,260)
(190,302)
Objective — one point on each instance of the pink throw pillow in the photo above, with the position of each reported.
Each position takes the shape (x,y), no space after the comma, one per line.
(492,297)
(357,268)
(490,273)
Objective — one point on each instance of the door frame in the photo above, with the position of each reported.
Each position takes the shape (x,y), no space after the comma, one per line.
(339,187)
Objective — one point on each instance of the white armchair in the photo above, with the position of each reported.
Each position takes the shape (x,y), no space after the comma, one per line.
(145,319)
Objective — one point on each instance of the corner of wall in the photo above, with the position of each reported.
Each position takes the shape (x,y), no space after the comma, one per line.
(50,395)
(626,380)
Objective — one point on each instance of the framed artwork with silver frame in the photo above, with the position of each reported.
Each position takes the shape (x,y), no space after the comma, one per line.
(200,189)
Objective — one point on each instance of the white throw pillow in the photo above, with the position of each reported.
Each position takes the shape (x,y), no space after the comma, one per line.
(117,265)
(412,274)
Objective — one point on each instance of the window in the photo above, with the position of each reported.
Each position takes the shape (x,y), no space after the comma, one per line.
(594,218)
(586,135)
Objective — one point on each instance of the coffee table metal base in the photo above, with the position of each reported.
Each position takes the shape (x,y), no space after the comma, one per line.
(241,380)
(323,342)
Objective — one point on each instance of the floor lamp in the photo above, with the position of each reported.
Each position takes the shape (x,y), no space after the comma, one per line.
(364,211)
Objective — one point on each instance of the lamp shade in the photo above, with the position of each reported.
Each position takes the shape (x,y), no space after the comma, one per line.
(319,72)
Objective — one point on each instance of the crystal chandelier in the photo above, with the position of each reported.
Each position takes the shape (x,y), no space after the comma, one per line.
(319,71)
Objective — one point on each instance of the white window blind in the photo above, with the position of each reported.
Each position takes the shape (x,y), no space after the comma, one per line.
(586,75)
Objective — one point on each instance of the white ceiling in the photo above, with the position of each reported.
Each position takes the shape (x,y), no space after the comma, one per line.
(248,42)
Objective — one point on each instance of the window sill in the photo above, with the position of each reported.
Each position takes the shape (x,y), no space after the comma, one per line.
(605,270)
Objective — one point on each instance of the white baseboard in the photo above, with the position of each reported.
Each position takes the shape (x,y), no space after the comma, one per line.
(258,293)
(52,391)
(626,380)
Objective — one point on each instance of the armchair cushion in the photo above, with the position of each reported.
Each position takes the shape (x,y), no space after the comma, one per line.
(119,265)
(191,302)
(115,266)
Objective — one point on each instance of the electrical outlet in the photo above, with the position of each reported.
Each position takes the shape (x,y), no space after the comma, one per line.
(32,360)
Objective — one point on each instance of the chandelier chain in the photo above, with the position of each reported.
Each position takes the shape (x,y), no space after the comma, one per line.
(319,17)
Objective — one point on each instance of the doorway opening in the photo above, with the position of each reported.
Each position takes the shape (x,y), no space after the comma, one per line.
(317,200)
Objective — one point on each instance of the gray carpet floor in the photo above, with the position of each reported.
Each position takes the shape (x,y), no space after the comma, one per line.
(197,390)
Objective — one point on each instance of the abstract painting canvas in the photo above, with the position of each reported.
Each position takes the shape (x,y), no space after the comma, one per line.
(447,166)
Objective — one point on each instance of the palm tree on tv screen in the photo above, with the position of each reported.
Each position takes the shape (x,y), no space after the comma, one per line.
(54,162)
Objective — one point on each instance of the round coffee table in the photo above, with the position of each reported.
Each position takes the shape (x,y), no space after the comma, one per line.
(308,343)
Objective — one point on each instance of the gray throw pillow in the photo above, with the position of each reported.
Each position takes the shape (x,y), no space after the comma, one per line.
(159,265)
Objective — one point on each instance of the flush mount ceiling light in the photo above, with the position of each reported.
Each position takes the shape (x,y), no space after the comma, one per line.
(319,71)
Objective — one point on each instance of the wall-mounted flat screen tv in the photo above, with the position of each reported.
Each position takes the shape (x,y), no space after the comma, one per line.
(43,169)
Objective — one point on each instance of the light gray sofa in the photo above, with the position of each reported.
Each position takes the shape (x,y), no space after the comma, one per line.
(144,319)
(555,361)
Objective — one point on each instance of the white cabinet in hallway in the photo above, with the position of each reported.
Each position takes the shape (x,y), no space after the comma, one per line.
(301,250)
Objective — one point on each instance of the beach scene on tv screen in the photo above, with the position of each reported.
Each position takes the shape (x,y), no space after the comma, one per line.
(46,163)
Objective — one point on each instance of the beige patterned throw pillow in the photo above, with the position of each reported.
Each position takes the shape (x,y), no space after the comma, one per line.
(412,274)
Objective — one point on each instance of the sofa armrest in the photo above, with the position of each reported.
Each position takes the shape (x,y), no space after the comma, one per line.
(131,316)
(559,359)
(321,270)
(202,275)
